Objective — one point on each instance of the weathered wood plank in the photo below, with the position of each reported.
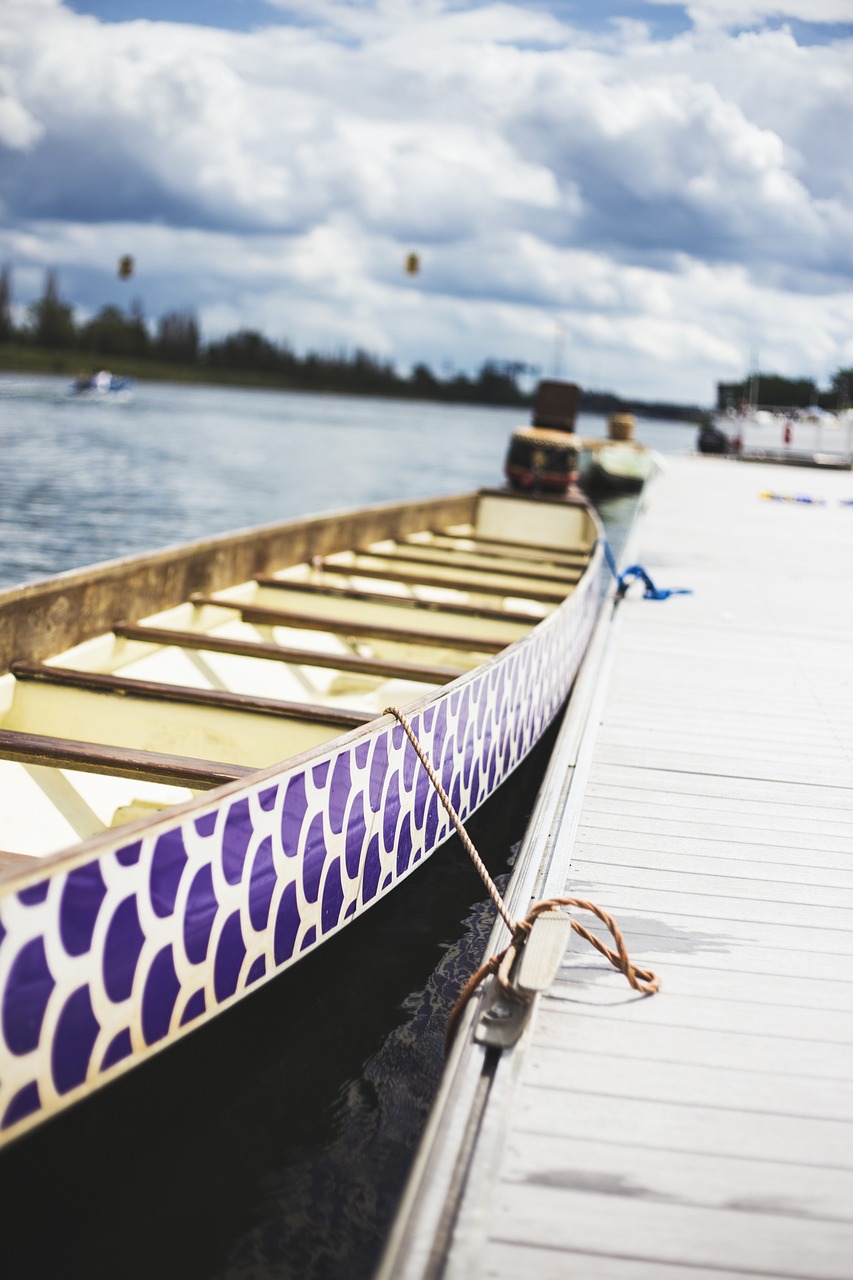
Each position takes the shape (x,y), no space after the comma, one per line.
(473,581)
(32,748)
(770,879)
(280,653)
(412,554)
(508,1261)
(416,604)
(623,1168)
(666,1125)
(592,1224)
(765,791)
(127,687)
(368,630)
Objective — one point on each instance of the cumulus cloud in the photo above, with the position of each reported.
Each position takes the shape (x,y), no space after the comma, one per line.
(664,200)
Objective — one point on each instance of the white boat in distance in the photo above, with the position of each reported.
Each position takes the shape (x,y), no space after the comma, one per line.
(801,437)
(102,386)
(199,782)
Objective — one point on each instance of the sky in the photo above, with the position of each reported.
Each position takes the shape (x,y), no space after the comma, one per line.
(642,196)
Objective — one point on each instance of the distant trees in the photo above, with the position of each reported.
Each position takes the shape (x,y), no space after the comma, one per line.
(248,356)
(246,350)
(842,387)
(178,337)
(771,390)
(497,383)
(51,319)
(7,328)
(112,333)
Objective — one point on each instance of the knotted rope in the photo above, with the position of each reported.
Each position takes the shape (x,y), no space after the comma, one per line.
(637,572)
(642,980)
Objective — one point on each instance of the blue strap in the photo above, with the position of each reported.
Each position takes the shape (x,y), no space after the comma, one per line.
(636,571)
(651,592)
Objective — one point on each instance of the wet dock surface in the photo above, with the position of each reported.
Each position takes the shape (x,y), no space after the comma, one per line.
(708,1130)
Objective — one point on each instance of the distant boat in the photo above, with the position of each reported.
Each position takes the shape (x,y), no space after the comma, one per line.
(613,467)
(101,385)
(802,437)
(618,464)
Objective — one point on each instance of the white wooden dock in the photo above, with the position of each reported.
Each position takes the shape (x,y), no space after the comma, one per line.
(707,803)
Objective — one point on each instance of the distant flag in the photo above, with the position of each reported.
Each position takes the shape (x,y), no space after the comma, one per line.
(413,264)
(125,267)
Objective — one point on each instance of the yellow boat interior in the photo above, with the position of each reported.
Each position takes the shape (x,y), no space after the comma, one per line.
(135,685)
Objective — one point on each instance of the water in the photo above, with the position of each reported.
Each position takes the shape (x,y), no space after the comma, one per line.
(272,1143)
(83,481)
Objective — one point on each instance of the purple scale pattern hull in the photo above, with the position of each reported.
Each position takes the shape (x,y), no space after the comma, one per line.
(109,958)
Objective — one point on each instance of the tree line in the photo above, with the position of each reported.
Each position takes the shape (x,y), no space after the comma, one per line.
(771,390)
(113,334)
(248,356)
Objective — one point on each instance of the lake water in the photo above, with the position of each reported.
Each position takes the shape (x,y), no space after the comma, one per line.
(83,481)
(271,1144)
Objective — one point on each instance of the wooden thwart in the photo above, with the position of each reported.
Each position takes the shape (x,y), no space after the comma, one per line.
(368,630)
(409,553)
(516,588)
(88,757)
(399,602)
(542,553)
(280,653)
(124,686)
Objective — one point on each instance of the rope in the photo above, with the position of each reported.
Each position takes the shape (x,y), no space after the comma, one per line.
(467,842)
(642,980)
(637,572)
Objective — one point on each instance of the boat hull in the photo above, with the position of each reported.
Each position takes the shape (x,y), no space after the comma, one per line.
(112,952)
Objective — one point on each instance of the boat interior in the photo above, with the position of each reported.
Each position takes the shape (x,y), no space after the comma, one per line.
(140,684)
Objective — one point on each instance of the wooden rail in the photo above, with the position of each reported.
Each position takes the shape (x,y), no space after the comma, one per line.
(400,602)
(151,766)
(367,630)
(125,686)
(409,553)
(280,653)
(517,588)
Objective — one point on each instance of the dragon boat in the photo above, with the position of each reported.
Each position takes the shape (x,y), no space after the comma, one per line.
(199,780)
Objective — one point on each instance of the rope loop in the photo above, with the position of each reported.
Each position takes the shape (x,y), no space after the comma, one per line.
(503,964)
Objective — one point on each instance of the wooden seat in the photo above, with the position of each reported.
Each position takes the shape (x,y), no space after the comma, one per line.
(516,587)
(395,601)
(151,766)
(280,653)
(410,553)
(125,686)
(260,616)
(541,551)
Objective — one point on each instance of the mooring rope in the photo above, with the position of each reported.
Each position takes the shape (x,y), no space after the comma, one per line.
(637,572)
(642,980)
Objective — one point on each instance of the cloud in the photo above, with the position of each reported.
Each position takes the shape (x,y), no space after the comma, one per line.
(663,199)
(747,13)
